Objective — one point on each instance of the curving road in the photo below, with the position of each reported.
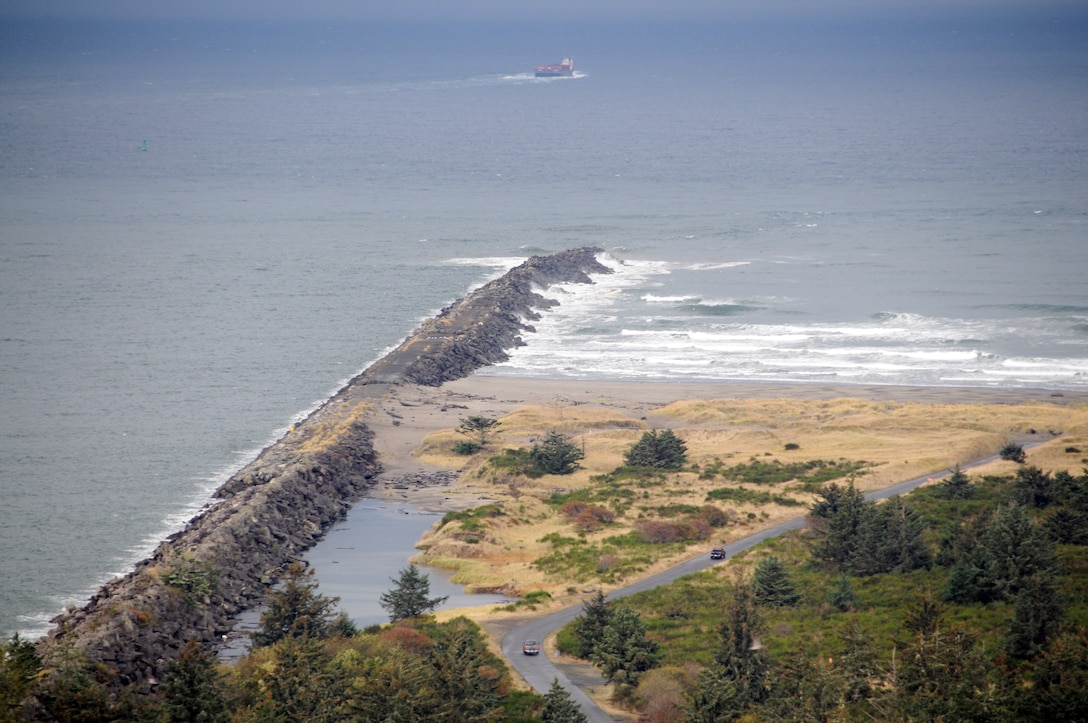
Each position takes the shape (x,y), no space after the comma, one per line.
(539,672)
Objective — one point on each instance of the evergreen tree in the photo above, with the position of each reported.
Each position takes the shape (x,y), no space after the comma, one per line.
(556,454)
(771,584)
(955,487)
(296,609)
(589,626)
(805,690)
(299,683)
(835,518)
(192,690)
(903,547)
(740,654)
(625,653)
(739,676)
(1039,613)
(843,596)
(868,551)
(411,596)
(1034,488)
(1012,550)
(943,674)
(1059,690)
(658,450)
(858,661)
(77,691)
(465,676)
(395,687)
(559,708)
(1072,491)
(19,665)
(715,699)
(963,584)
(1067,527)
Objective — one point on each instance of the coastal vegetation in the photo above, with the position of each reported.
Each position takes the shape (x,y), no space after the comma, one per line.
(654,489)
(865,586)
(410,596)
(984,617)
(307,663)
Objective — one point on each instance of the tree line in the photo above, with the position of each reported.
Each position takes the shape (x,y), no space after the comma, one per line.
(968,545)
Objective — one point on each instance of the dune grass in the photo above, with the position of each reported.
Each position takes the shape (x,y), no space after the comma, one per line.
(759,460)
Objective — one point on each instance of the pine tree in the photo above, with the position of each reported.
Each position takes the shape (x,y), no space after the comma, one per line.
(19,665)
(556,454)
(625,653)
(465,676)
(955,487)
(716,698)
(904,548)
(843,596)
(740,654)
(192,690)
(771,584)
(1012,550)
(1034,488)
(589,626)
(805,690)
(944,674)
(296,609)
(835,520)
(739,676)
(1060,680)
(299,684)
(1039,613)
(858,661)
(657,450)
(411,596)
(962,585)
(559,708)
(395,686)
(867,551)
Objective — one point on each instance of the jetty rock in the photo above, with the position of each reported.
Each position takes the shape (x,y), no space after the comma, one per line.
(283,502)
(478,330)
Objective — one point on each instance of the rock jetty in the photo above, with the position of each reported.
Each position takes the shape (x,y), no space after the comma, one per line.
(279,505)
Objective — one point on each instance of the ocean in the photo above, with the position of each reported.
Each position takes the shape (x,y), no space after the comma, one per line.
(205,230)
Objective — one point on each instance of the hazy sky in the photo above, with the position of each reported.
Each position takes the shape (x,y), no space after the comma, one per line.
(539,10)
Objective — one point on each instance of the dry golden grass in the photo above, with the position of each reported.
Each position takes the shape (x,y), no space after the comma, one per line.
(900,440)
(322,435)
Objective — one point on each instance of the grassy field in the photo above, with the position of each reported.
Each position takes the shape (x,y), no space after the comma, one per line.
(757,461)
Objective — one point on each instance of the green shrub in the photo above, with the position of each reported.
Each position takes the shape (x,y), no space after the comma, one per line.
(466,448)
(194,578)
(742,495)
(1013,452)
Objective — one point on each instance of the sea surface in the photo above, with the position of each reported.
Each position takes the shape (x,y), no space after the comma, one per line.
(205,230)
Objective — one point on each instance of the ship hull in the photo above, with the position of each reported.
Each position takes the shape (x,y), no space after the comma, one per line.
(564,69)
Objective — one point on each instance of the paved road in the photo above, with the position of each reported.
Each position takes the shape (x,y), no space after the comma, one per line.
(539,672)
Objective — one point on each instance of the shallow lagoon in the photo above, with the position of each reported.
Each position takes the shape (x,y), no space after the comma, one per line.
(357,561)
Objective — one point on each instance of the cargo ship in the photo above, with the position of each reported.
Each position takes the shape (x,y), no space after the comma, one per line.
(564,69)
